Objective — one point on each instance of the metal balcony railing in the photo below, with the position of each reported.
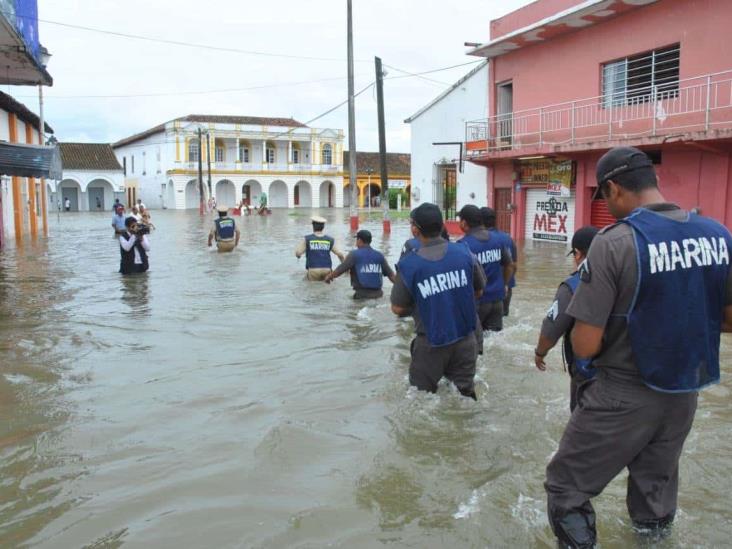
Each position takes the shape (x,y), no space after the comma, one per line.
(698,104)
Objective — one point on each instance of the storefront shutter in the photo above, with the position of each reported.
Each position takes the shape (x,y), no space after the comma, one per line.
(600,216)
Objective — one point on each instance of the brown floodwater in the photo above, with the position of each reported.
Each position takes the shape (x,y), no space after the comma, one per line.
(221,400)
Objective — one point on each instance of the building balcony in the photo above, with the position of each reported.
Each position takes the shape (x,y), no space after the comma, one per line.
(695,109)
(22,55)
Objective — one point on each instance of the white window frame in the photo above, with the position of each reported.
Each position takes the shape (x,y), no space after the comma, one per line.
(271,155)
(326,155)
(194,152)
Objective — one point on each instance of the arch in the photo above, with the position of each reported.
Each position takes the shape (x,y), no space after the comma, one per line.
(170,195)
(278,195)
(70,188)
(303,195)
(370,195)
(225,193)
(327,194)
(100,194)
(192,200)
(250,192)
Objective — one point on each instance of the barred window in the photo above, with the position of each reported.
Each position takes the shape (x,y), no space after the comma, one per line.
(632,80)
(193,151)
(327,155)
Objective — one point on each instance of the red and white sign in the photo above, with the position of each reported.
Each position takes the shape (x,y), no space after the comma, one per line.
(549,218)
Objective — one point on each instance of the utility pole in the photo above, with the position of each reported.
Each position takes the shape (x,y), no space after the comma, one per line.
(382,144)
(200,175)
(352,175)
(208,160)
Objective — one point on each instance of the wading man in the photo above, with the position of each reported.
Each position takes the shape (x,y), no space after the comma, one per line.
(133,248)
(438,285)
(655,293)
(367,267)
(493,252)
(224,231)
(488,216)
(558,324)
(317,247)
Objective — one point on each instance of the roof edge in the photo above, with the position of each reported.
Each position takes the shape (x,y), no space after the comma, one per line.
(447,92)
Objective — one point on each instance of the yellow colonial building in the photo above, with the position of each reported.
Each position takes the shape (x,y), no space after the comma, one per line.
(368,178)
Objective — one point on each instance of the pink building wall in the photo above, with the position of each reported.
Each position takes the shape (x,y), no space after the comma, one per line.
(568,68)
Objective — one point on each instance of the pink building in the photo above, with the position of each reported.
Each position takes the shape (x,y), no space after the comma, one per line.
(570,79)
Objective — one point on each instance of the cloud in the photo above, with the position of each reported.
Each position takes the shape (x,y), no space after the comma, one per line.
(413,35)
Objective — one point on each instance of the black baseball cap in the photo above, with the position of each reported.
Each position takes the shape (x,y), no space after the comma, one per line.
(364,236)
(471,215)
(427,217)
(488,216)
(582,239)
(621,160)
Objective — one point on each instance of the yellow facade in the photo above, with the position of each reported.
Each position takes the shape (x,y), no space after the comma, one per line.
(363,180)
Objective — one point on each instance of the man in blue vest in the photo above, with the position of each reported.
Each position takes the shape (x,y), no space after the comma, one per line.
(489,222)
(558,324)
(224,231)
(655,294)
(494,254)
(317,247)
(367,267)
(438,285)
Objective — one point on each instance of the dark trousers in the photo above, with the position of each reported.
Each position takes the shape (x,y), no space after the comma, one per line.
(491,315)
(366,293)
(507,301)
(642,430)
(456,362)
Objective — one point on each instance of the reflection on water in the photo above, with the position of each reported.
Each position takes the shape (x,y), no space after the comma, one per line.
(221,400)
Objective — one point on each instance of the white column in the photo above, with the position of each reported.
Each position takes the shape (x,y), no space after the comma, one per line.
(264,151)
(238,150)
(289,152)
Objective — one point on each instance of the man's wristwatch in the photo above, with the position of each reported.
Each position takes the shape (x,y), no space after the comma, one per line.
(537,353)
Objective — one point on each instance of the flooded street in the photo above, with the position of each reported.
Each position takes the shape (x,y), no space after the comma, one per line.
(223,401)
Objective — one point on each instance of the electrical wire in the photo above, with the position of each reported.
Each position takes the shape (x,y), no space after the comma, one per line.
(179,42)
(437,82)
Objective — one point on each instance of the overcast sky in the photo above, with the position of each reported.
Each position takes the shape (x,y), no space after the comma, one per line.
(412,35)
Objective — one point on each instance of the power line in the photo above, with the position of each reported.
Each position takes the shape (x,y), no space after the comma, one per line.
(417,75)
(179,42)
(250,88)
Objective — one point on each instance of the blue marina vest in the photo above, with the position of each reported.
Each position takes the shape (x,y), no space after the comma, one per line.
(443,292)
(317,252)
(368,268)
(581,365)
(675,319)
(488,253)
(225,228)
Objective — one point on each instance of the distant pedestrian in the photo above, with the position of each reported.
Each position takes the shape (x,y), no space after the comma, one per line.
(99,204)
(67,205)
(317,247)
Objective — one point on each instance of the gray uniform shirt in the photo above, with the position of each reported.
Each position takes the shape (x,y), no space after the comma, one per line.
(350,263)
(557,321)
(433,250)
(606,293)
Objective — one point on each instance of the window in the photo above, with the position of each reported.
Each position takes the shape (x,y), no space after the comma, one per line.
(295,156)
(327,155)
(270,154)
(244,154)
(144,163)
(124,165)
(220,153)
(132,168)
(632,80)
(193,153)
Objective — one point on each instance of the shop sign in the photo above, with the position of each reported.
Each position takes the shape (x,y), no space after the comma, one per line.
(551,216)
(557,175)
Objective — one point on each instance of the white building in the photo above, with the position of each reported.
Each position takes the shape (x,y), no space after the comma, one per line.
(92,177)
(296,166)
(436,175)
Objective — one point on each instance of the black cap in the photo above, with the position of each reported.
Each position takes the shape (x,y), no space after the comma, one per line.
(428,218)
(471,215)
(364,236)
(621,160)
(488,216)
(583,238)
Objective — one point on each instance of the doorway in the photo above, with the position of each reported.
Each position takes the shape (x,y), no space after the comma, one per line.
(504,134)
(503,210)
(449,192)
